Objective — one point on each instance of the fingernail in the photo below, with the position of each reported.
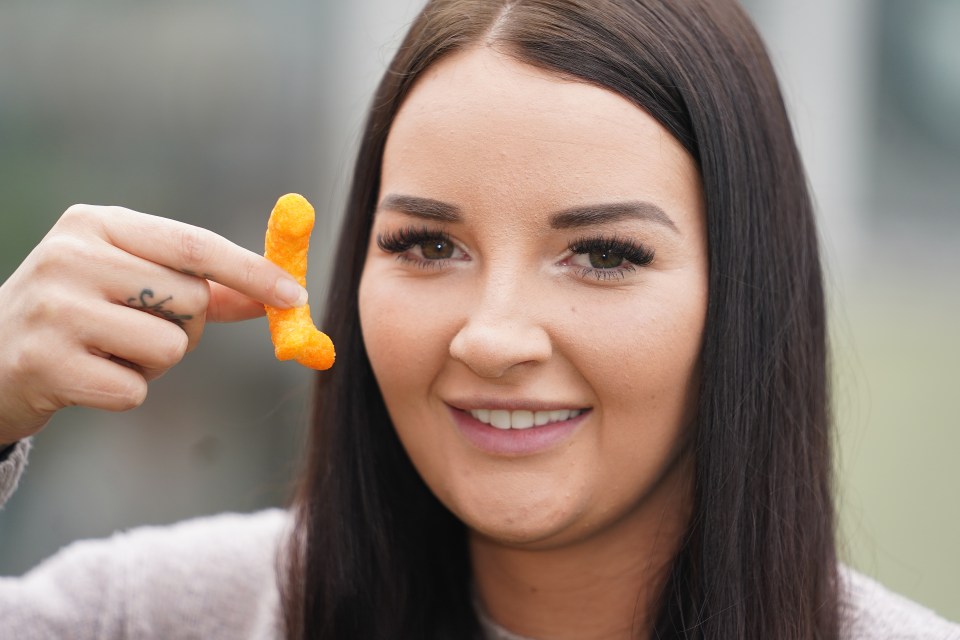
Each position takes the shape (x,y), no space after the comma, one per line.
(291,292)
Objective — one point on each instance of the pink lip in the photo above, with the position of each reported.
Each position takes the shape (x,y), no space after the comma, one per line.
(514,442)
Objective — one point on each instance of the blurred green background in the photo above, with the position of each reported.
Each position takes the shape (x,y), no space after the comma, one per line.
(206,111)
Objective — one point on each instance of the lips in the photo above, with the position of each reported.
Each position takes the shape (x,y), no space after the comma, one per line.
(517,432)
(522,418)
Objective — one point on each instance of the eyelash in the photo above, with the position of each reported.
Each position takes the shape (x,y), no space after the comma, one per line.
(401,241)
(634,254)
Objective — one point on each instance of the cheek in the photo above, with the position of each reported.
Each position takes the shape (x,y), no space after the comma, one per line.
(386,328)
(405,338)
(641,363)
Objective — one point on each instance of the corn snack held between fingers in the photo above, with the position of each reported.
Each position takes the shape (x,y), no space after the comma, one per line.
(288,237)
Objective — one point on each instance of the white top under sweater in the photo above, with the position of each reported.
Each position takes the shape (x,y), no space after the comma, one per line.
(214,578)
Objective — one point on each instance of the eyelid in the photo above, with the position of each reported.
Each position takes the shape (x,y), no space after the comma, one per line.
(406,244)
(636,255)
(402,238)
(405,239)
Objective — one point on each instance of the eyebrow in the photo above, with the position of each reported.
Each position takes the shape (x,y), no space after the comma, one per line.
(572,218)
(418,207)
(589,215)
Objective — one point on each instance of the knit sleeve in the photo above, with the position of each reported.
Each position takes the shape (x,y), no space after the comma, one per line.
(12,464)
(73,594)
(212,578)
(871,612)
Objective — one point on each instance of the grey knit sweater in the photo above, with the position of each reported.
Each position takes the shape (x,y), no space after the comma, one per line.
(214,578)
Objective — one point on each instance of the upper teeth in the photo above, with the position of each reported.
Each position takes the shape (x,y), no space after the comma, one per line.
(502,419)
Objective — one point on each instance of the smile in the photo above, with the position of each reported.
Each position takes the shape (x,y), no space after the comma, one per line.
(522,419)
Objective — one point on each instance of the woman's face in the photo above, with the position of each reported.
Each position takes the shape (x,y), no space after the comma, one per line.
(533,300)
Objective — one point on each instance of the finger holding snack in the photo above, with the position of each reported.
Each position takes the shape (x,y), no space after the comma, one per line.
(111,299)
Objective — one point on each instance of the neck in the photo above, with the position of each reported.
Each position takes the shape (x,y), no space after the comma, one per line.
(603,587)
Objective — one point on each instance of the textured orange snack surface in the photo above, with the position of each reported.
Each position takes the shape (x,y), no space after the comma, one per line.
(292,330)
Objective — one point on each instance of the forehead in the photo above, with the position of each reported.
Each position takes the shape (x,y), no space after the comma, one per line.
(480,119)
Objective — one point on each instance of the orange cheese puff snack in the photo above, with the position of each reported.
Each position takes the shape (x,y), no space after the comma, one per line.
(288,237)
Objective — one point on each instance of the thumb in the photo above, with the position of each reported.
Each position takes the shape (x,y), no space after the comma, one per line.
(228,305)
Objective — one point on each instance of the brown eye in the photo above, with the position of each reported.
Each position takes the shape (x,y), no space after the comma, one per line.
(438,249)
(605,259)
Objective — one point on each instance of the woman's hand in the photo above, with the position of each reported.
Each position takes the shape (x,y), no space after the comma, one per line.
(111,299)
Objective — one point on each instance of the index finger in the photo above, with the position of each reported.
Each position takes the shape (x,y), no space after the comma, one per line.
(200,252)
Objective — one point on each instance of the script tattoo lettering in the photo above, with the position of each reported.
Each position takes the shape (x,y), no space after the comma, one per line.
(147,302)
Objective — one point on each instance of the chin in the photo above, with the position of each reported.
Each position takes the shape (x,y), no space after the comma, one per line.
(525,535)
(530,520)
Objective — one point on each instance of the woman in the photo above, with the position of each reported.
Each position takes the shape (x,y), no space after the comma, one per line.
(581,378)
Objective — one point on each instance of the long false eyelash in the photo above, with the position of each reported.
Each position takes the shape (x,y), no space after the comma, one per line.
(635,253)
(403,239)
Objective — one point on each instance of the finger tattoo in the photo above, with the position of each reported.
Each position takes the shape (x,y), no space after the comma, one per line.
(146,301)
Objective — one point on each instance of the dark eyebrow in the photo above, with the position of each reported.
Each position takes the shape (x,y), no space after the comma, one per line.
(421,207)
(572,218)
(593,214)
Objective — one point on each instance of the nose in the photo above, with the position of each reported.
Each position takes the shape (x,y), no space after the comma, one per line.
(501,332)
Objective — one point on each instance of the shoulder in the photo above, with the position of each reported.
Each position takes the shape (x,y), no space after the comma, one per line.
(871,612)
(238,535)
(211,558)
(210,577)
(210,550)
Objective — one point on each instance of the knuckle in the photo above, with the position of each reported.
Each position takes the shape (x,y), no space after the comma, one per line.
(60,253)
(79,215)
(132,394)
(44,311)
(193,333)
(195,246)
(34,375)
(250,271)
(197,294)
(88,217)
(174,347)
(56,311)
(111,214)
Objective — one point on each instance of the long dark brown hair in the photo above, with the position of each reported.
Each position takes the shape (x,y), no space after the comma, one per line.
(374,555)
